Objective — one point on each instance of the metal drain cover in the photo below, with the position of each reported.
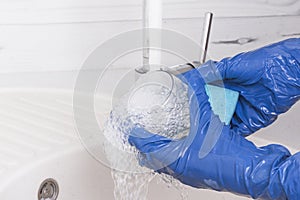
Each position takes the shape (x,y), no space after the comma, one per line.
(48,190)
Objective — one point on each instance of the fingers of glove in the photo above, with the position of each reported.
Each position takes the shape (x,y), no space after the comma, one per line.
(291,46)
(145,141)
(156,152)
(259,104)
(152,162)
(200,108)
(251,116)
(147,160)
(196,91)
(188,76)
(247,68)
(244,68)
(194,81)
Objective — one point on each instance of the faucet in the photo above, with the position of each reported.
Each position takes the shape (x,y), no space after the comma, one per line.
(176,69)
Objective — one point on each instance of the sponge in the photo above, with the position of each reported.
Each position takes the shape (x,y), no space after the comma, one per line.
(223,101)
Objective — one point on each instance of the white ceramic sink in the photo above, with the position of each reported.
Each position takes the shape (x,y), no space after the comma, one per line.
(39,141)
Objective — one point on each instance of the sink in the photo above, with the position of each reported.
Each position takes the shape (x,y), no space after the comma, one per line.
(39,141)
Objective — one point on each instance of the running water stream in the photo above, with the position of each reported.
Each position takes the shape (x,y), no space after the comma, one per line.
(157,110)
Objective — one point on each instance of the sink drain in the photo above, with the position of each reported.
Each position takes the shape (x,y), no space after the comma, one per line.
(48,190)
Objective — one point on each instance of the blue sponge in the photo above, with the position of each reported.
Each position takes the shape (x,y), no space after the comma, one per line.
(223,102)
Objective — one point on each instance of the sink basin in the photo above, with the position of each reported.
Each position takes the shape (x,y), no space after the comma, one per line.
(39,141)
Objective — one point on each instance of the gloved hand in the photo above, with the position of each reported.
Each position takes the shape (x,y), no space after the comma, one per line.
(234,164)
(268,80)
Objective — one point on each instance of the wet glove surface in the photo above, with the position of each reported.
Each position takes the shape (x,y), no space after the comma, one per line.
(234,164)
(268,80)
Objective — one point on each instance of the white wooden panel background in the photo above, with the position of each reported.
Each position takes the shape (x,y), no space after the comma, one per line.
(46,11)
(59,35)
(43,42)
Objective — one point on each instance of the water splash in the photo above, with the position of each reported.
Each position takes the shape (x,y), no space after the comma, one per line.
(170,119)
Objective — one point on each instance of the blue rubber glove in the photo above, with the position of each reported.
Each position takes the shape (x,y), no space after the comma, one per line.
(268,80)
(234,164)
